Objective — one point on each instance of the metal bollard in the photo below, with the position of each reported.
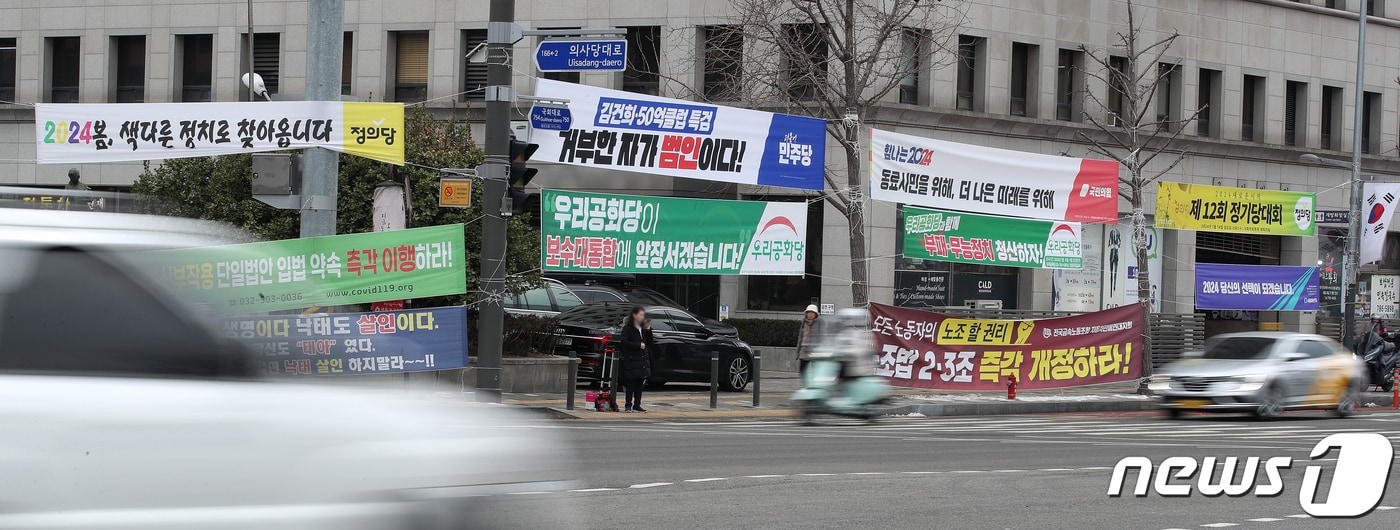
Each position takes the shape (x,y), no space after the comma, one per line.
(573,380)
(714,379)
(757,374)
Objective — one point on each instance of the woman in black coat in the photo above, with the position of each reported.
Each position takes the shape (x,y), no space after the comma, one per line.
(636,346)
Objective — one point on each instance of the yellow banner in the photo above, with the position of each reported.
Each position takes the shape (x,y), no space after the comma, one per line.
(1219,209)
(966,331)
(375,131)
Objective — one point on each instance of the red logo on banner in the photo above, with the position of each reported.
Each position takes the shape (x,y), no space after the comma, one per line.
(388,305)
(931,350)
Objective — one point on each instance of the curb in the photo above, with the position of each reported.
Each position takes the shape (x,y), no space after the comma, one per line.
(1050,407)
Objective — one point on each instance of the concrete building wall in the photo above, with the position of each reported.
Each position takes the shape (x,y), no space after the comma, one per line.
(1278,40)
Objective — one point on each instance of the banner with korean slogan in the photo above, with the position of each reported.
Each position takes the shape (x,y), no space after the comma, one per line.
(356,343)
(983,240)
(972,178)
(589,232)
(1257,287)
(319,271)
(1219,209)
(920,349)
(660,136)
(115,132)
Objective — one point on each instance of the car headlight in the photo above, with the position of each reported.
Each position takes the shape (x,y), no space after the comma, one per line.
(1159,382)
(1255,378)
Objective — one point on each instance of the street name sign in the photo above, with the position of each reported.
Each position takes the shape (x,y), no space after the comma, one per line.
(577,55)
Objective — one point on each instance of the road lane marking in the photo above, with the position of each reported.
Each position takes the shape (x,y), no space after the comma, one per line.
(1219,525)
(1385,507)
(651,485)
(591,490)
(868,473)
(764,476)
(528,493)
(706,479)
(1265,520)
(1300,516)
(816,474)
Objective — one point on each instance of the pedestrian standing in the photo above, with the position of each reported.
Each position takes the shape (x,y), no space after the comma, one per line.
(809,335)
(637,344)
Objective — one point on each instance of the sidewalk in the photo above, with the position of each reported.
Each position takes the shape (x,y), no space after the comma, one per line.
(690,402)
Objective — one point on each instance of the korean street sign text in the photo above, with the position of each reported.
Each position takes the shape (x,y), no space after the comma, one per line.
(581,55)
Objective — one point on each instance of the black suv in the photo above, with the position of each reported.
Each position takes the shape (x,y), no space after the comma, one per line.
(590,293)
(682,352)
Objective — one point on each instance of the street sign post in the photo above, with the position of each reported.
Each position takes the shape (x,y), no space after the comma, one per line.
(581,55)
(454,193)
(550,118)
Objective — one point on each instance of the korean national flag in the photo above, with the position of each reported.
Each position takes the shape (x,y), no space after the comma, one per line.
(1379,207)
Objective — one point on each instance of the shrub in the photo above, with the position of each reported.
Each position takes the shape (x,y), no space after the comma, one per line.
(767,331)
(526,335)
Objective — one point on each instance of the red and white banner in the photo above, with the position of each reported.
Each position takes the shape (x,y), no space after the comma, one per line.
(931,350)
(971,178)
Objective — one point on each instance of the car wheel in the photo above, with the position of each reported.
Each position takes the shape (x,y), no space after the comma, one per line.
(655,383)
(1270,404)
(1174,413)
(1351,399)
(807,412)
(736,373)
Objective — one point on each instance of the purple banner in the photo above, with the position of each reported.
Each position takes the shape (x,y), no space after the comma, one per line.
(1257,287)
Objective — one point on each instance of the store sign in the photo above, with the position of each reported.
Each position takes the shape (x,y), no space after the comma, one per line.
(319,271)
(1385,296)
(983,240)
(970,288)
(76,133)
(356,343)
(1332,217)
(921,289)
(591,232)
(932,350)
(1218,209)
(1257,287)
(926,172)
(658,136)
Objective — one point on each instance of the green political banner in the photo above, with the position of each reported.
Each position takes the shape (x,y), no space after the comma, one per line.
(591,232)
(985,240)
(331,270)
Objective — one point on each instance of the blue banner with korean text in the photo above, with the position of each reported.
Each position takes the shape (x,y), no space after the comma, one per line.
(412,340)
(1257,287)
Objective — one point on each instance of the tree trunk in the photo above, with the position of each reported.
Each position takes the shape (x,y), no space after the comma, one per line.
(860,288)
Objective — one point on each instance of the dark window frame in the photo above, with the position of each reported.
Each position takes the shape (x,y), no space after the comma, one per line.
(64,80)
(643,72)
(195,87)
(723,62)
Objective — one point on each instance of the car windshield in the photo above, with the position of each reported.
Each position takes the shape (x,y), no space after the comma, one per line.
(1238,348)
(597,314)
(648,296)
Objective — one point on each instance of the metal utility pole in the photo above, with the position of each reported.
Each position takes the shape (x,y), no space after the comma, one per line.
(500,96)
(324,42)
(248,53)
(1353,262)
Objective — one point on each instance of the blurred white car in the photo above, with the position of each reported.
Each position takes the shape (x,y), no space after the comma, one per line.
(1264,373)
(120,409)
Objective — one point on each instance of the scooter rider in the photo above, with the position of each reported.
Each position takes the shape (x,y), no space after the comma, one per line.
(852,344)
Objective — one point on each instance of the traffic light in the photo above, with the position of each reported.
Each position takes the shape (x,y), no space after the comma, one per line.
(520,175)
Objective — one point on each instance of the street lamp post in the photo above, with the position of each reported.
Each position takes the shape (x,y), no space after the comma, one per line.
(1352,266)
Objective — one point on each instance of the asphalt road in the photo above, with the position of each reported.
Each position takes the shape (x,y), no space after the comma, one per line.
(979,472)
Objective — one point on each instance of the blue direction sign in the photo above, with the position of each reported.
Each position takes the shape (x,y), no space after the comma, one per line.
(549,118)
(581,55)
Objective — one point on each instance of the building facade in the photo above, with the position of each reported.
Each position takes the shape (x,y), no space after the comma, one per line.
(1276,77)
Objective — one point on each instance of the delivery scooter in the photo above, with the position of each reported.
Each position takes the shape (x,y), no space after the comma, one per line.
(840,378)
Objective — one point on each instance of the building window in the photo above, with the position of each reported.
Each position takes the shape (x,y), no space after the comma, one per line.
(911,49)
(1295,113)
(1025,62)
(1118,79)
(1069,81)
(1371,8)
(806,59)
(1329,4)
(9,53)
(1168,99)
(65,55)
(792,293)
(643,73)
(267,61)
(970,62)
(1331,121)
(410,66)
(1208,101)
(129,69)
(567,77)
(1370,122)
(724,59)
(196,60)
(474,73)
(347,63)
(1252,109)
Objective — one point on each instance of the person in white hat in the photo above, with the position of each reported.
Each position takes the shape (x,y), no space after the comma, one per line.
(809,335)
